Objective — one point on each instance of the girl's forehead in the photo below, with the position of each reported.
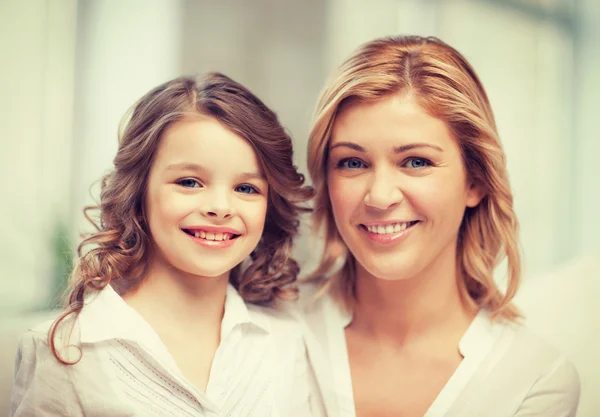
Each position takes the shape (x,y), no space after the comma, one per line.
(206,142)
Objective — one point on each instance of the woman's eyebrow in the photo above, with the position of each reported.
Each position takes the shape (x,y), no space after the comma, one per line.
(411,146)
(350,145)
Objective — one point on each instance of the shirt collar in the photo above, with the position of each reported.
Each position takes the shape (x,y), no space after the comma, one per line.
(474,346)
(106,316)
(478,337)
(238,313)
(345,315)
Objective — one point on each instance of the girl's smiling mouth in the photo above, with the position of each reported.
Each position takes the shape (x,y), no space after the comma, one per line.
(213,236)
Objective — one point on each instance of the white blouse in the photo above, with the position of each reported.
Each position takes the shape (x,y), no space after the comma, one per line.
(259,368)
(506,370)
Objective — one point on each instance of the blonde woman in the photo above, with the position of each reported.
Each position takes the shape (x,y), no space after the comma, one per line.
(415,205)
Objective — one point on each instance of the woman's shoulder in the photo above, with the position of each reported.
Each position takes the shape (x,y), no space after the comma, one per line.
(510,369)
(526,368)
(525,344)
(550,365)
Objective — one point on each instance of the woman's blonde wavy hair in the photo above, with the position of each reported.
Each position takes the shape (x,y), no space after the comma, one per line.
(118,251)
(446,86)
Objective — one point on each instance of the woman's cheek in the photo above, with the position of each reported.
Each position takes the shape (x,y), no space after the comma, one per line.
(345,195)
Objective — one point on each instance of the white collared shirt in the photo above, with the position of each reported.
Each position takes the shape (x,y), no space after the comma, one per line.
(506,371)
(258,370)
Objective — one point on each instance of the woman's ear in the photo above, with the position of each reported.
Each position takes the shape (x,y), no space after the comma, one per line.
(475,194)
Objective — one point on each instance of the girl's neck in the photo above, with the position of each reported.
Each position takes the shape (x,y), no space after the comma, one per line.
(168,297)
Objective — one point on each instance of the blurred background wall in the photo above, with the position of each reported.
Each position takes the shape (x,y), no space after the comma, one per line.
(71,68)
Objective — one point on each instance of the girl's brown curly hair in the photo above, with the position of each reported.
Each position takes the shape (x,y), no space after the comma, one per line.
(118,251)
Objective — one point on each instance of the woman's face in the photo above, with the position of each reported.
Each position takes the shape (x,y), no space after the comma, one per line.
(397,186)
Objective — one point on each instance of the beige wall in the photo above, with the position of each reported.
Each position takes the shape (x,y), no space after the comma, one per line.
(37,49)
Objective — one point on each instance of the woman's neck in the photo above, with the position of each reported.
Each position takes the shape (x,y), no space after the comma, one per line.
(425,306)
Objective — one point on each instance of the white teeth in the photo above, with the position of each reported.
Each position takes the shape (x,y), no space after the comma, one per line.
(388,229)
(212,236)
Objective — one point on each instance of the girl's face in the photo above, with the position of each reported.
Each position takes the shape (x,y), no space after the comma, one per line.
(397,186)
(206,198)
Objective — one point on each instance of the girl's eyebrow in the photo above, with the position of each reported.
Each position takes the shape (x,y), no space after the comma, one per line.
(185,166)
(253,176)
(189,166)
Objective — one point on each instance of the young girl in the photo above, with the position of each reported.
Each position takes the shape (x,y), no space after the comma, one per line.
(169,312)
(414,200)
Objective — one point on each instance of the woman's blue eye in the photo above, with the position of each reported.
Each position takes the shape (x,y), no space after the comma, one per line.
(351,163)
(246,189)
(417,163)
(189,183)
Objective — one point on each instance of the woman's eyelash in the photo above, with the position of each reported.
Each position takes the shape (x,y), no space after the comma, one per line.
(416,163)
(189,183)
(411,162)
(350,163)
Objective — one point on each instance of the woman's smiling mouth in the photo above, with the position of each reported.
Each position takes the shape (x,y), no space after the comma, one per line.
(387,232)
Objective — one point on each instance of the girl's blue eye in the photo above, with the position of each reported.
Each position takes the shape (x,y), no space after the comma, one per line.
(417,163)
(351,163)
(189,183)
(246,189)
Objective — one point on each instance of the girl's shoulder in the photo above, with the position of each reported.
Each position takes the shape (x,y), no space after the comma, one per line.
(41,382)
(280,322)
(34,344)
(308,317)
